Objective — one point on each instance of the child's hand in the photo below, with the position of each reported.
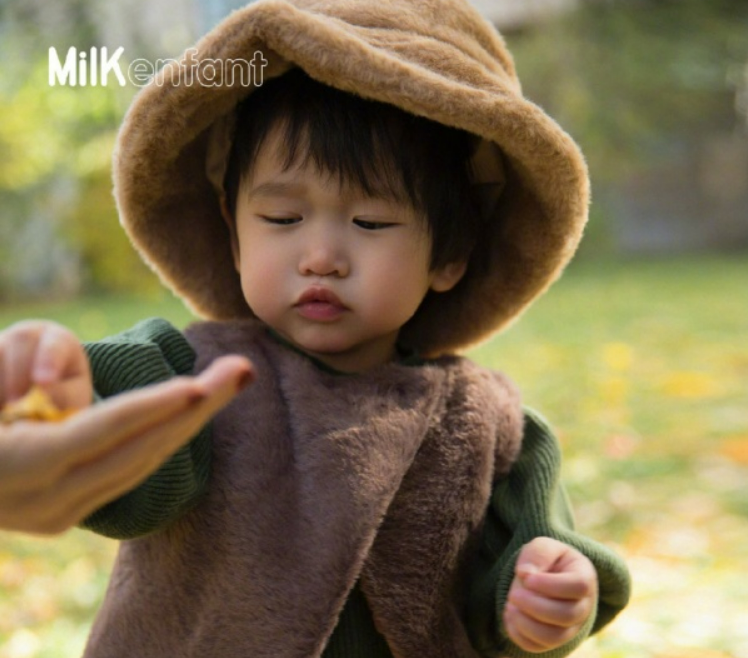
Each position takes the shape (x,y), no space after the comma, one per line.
(46,354)
(553,593)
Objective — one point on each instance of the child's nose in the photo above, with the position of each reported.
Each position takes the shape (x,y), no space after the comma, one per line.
(322,256)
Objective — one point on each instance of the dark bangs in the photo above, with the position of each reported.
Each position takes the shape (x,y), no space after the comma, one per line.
(374,147)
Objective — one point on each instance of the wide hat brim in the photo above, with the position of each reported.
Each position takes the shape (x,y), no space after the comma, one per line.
(435,58)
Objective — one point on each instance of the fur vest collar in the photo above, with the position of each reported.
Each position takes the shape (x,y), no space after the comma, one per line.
(320,480)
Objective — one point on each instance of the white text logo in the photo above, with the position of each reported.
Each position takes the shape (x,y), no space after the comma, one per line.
(94,67)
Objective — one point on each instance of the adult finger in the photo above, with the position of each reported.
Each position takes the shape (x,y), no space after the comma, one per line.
(228,373)
(58,447)
(41,453)
(61,367)
(20,342)
(58,355)
(166,419)
(120,441)
(117,419)
(93,484)
(51,498)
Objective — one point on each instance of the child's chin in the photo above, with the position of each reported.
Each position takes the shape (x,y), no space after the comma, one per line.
(325,347)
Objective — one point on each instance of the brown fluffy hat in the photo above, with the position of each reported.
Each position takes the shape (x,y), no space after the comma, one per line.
(435,58)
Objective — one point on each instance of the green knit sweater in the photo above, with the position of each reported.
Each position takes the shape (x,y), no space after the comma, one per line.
(528,503)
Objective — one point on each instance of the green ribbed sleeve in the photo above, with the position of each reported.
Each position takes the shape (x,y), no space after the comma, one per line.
(530,502)
(152,351)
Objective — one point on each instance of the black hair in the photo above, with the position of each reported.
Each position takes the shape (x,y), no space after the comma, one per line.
(372,145)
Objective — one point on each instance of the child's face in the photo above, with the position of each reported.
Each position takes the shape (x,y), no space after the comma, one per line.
(333,271)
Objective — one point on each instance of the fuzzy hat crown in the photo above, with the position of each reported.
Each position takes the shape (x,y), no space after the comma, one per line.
(434,58)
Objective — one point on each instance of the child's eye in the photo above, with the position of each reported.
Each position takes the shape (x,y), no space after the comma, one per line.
(372,226)
(280,221)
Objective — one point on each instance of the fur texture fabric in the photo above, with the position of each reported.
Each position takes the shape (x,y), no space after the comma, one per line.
(320,481)
(436,58)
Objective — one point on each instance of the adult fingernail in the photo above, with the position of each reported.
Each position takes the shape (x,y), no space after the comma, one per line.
(195,397)
(245,379)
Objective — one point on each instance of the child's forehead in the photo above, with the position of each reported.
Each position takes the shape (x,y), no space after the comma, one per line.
(279,169)
(302,180)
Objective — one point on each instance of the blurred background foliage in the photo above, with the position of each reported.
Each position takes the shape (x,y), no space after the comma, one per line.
(656,93)
(59,234)
(638,356)
(627,77)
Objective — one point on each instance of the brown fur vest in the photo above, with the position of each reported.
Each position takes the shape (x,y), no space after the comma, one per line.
(319,480)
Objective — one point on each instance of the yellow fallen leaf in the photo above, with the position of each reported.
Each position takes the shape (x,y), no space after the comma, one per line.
(35,405)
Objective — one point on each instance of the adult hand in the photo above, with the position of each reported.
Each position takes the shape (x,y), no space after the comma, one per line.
(53,475)
(48,355)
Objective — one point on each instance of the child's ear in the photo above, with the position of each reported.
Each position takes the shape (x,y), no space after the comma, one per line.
(447,277)
(231,224)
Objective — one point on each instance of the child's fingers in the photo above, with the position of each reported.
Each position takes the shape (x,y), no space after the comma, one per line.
(570,586)
(554,569)
(553,611)
(542,554)
(512,628)
(534,636)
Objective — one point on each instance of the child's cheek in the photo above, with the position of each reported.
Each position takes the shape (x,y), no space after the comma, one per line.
(260,285)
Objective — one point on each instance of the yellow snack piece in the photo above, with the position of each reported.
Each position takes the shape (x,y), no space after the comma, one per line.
(36,405)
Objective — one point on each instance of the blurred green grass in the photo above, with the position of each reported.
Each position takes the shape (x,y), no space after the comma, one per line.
(642,367)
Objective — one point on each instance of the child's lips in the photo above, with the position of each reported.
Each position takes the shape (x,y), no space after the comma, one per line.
(321,304)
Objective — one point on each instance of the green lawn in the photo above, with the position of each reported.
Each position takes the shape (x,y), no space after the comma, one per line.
(643,369)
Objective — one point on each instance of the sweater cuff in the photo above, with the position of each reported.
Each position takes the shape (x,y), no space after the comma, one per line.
(151,352)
